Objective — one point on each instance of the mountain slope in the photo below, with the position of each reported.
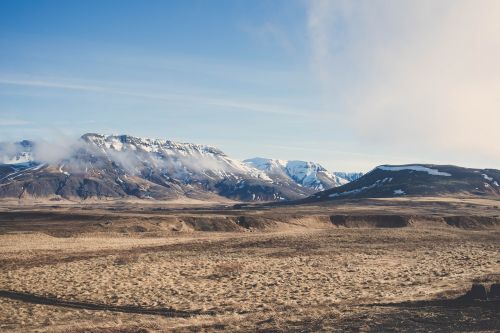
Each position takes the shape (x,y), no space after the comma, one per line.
(109,166)
(418,180)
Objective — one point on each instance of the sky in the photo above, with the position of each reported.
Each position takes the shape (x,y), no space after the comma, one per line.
(348,84)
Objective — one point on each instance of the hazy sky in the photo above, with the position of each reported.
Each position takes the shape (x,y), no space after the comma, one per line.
(349,84)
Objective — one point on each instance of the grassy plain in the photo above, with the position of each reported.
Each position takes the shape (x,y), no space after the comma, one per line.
(152,268)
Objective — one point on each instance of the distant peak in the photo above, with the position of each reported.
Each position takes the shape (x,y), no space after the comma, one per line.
(262,163)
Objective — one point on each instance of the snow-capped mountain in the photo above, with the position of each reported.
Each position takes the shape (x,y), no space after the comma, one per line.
(15,153)
(307,174)
(100,166)
(183,161)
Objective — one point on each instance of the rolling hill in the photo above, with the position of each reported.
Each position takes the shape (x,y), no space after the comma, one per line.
(417,180)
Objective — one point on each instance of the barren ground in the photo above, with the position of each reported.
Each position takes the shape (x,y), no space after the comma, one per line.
(146,268)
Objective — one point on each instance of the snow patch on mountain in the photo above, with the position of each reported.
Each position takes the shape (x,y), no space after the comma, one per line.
(355,191)
(488,178)
(419,168)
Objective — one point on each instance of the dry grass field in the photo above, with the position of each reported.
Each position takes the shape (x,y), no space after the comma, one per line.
(133,268)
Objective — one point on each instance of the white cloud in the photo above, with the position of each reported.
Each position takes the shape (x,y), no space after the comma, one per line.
(413,75)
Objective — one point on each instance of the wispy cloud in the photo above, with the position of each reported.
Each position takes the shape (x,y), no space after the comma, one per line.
(13,122)
(241,105)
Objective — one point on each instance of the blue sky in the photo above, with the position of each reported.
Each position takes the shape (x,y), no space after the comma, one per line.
(349,85)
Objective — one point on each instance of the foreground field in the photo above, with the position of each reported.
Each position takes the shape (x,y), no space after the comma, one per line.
(302,276)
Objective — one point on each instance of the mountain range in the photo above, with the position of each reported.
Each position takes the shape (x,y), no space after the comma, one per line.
(113,166)
(122,166)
